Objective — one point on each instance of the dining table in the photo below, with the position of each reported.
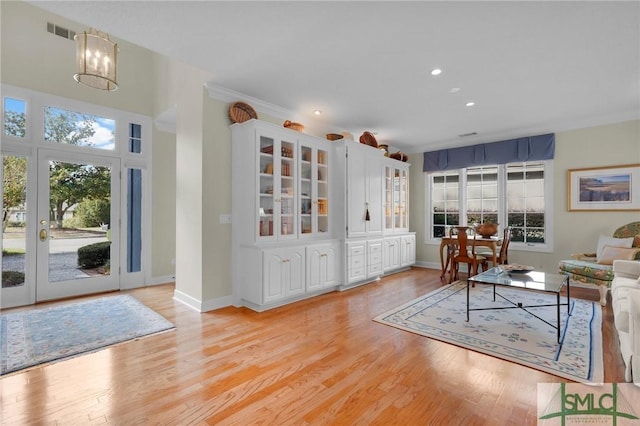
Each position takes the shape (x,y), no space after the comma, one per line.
(491,242)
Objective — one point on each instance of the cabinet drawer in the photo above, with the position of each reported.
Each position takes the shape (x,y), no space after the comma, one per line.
(356,251)
(375,248)
(356,273)
(375,268)
(375,257)
(356,262)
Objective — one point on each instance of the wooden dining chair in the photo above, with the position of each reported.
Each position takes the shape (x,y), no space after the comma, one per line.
(464,243)
(503,257)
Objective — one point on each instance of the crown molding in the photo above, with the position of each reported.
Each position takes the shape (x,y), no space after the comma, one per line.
(227,95)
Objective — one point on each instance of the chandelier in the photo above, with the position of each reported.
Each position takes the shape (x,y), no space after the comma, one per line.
(96,60)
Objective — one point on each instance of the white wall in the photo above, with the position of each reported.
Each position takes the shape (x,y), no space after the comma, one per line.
(601,146)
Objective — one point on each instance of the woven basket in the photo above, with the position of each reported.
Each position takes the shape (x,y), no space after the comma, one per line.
(334,136)
(367,138)
(399,156)
(293,126)
(239,112)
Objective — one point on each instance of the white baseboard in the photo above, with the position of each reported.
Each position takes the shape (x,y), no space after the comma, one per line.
(430,265)
(166,279)
(202,306)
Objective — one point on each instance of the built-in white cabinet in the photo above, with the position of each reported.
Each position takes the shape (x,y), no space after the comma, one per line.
(311,216)
(374,258)
(391,253)
(323,262)
(363,190)
(396,196)
(408,250)
(282,218)
(283,273)
(356,261)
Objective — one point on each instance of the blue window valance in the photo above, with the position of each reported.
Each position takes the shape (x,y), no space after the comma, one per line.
(531,148)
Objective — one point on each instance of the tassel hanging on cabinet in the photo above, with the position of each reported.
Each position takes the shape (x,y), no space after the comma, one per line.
(366,215)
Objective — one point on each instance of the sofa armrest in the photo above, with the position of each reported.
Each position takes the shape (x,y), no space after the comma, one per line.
(626,268)
(584,256)
(634,333)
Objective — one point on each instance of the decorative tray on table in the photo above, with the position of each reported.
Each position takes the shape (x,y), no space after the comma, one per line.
(515,268)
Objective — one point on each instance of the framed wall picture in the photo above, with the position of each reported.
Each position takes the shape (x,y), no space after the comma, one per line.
(614,188)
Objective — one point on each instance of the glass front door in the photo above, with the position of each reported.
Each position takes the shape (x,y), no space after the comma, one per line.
(77,221)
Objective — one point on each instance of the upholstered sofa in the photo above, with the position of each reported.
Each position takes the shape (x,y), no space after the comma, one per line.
(625,301)
(597,268)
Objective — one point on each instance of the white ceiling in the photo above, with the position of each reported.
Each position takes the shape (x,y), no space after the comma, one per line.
(530,67)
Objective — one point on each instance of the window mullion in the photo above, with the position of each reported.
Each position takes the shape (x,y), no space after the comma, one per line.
(462,196)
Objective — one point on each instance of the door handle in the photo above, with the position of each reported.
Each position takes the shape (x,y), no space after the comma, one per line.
(43,235)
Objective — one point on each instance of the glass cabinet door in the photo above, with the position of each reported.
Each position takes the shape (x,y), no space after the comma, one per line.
(388,198)
(403,222)
(267,186)
(322,211)
(314,190)
(307,193)
(277,188)
(287,190)
(396,199)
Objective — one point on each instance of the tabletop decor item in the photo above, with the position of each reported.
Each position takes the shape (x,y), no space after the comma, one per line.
(384,148)
(367,138)
(239,112)
(293,126)
(487,229)
(334,136)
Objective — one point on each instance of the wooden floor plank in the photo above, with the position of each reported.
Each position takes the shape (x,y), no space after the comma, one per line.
(318,361)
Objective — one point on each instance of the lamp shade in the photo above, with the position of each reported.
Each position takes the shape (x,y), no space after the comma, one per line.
(96,60)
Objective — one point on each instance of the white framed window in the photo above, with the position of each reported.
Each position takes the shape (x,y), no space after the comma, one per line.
(518,195)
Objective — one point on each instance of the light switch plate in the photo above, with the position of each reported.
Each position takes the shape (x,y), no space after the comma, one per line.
(225,218)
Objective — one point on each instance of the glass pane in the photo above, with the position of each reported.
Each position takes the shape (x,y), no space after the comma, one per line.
(80,217)
(287,186)
(266,187)
(305,185)
(15,116)
(14,230)
(323,191)
(135,138)
(134,220)
(74,128)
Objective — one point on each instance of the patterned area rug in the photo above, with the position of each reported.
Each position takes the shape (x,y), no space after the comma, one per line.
(510,334)
(38,336)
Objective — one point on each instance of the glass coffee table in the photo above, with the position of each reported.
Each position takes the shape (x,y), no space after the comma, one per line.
(527,281)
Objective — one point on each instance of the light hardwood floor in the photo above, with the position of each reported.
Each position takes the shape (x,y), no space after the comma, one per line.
(319,361)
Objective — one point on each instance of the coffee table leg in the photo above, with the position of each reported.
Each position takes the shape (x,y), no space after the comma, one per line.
(568,296)
(467,300)
(558,313)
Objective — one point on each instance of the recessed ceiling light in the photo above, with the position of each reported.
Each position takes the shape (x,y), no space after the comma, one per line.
(436,71)
(317,112)
(454,90)
(470,103)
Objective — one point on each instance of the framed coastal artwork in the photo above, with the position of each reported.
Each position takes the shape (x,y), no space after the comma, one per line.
(613,188)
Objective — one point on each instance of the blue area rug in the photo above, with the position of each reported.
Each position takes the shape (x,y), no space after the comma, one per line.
(510,334)
(38,336)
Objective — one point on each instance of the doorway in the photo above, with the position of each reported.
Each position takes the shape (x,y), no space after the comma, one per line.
(64,241)
(76,198)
